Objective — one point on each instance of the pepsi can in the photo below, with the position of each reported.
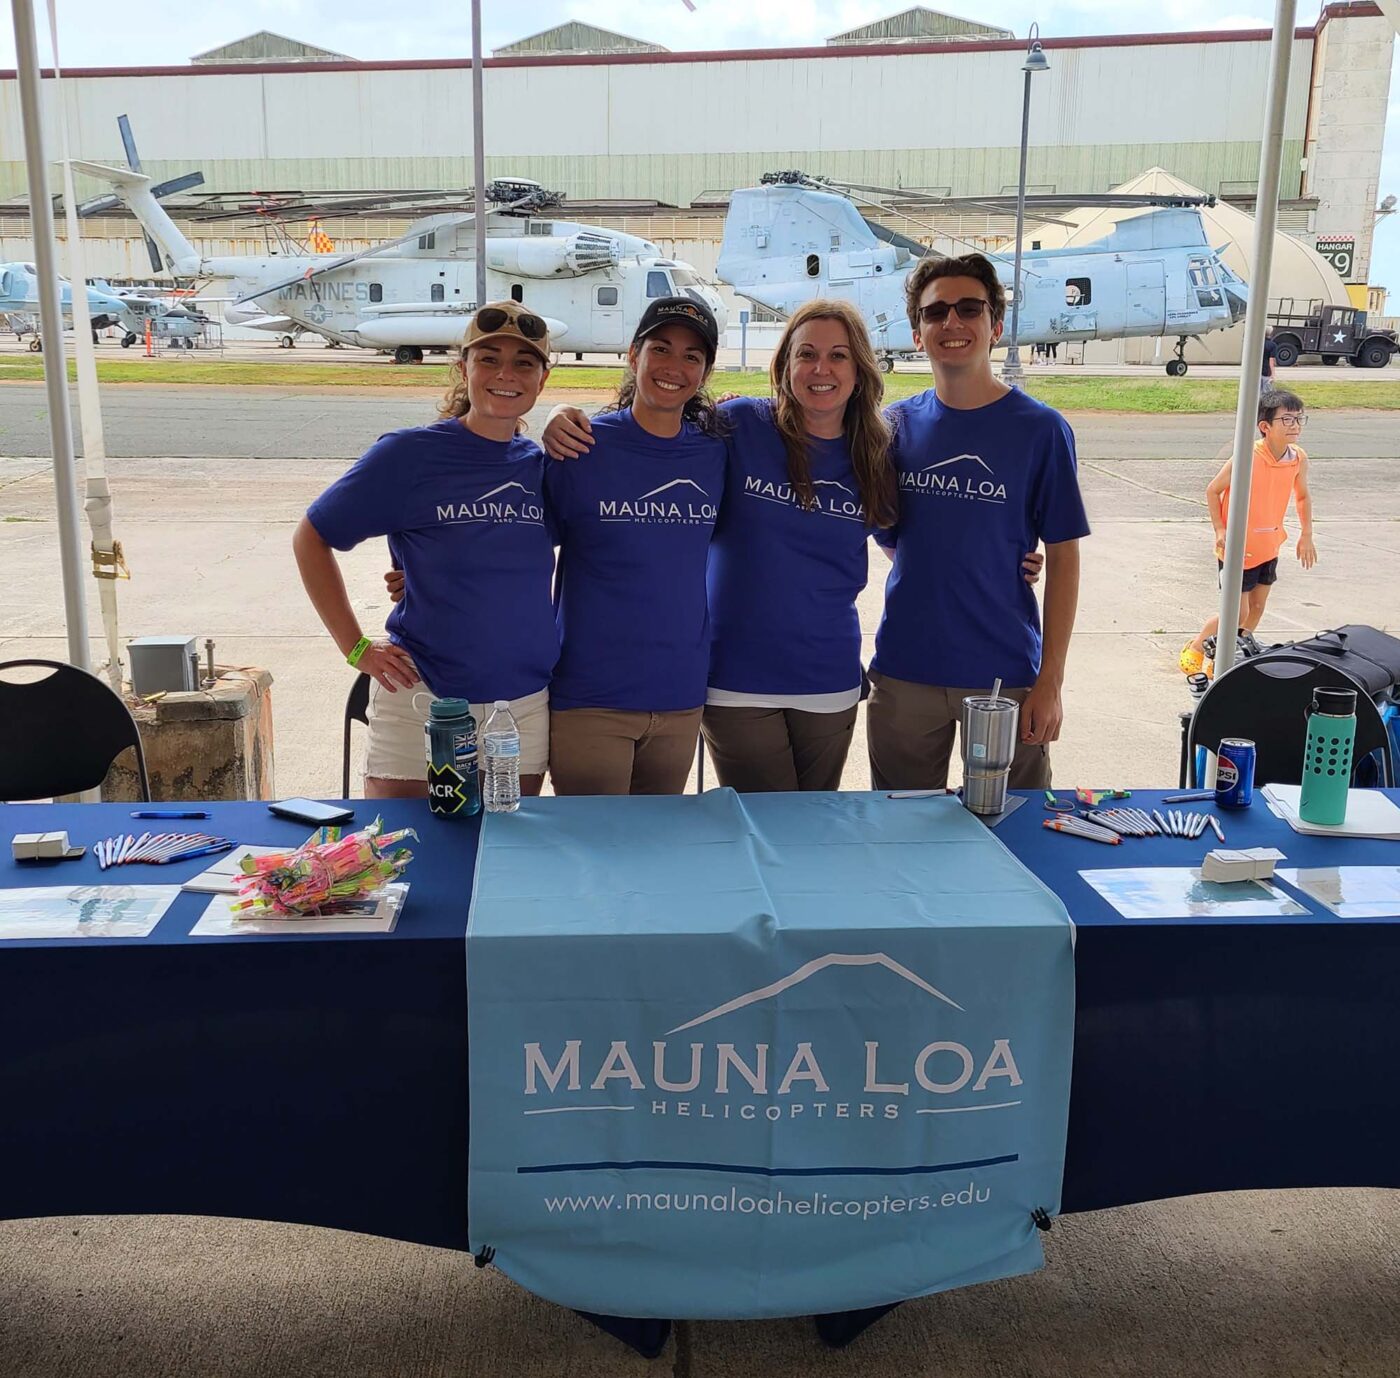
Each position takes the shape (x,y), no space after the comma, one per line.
(1234,778)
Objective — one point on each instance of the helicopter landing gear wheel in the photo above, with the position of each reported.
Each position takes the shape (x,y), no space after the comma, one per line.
(408,354)
(1176,368)
(886,363)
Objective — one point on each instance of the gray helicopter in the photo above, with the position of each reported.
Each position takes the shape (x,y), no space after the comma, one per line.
(415,293)
(797,237)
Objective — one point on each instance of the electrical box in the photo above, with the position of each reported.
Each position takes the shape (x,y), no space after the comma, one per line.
(163,664)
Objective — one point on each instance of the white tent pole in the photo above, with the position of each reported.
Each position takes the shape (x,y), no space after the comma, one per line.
(1255,322)
(107,561)
(51,322)
(478,156)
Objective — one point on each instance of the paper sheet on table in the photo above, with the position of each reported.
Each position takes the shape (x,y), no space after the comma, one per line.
(377,914)
(1350,892)
(84,911)
(1169,892)
(1369,813)
(222,877)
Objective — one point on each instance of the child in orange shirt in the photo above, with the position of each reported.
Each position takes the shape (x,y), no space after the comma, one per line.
(1280,473)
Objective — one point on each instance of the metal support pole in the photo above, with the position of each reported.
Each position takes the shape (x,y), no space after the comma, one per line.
(1012,372)
(51,322)
(478,155)
(1255,323)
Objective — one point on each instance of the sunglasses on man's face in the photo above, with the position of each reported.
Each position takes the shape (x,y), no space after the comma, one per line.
(492,318)
(968,309)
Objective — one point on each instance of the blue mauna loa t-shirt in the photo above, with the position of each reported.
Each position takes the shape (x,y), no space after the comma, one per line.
(634,517)
(783,581)
(978,489)
(466,524)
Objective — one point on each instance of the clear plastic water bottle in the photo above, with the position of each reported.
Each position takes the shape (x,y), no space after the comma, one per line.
(500,749)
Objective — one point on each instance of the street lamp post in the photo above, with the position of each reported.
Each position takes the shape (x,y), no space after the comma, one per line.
(1036,61)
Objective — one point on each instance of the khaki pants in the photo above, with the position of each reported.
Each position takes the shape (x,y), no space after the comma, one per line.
(910,729)
(756,750)
(617,751)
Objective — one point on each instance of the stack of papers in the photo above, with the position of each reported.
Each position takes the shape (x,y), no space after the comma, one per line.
(1369,813)
(223,876)
(377,913)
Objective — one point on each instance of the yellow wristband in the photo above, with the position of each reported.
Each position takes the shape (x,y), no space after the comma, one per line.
(361,646)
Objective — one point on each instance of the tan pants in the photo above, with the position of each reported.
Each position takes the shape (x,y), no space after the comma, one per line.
(616,751)
(756,750)
(910,729)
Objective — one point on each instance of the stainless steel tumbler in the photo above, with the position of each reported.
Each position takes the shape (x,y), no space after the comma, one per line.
(989,730)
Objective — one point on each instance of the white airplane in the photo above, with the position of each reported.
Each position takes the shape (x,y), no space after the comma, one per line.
(1155,274)
(415,293)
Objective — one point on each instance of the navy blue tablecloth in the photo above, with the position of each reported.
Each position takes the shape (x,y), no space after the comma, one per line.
(322,1079)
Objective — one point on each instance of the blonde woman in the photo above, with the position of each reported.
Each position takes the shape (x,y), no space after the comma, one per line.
(808,481)
(461,502)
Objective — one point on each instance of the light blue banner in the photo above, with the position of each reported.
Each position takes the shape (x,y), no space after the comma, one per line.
(762,1055)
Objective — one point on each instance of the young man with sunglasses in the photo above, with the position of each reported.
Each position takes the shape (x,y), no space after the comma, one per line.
(985,474)
(1280,473)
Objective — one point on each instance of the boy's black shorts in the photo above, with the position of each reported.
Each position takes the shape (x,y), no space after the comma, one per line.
(1266,574)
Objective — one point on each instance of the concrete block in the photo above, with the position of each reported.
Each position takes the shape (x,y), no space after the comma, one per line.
(214,743)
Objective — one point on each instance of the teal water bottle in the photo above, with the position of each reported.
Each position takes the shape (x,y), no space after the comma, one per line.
(453,788)
(1327,757)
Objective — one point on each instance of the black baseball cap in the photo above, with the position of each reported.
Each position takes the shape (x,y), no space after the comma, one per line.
(666,311)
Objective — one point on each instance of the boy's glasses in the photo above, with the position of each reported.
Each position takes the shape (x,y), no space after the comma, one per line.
(1292,422)
(968,309)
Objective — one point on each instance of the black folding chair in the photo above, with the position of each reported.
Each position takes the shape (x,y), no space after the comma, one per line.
(1266,699)
(356,710)
(60,734)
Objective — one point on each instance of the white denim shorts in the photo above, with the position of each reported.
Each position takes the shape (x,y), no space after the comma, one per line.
(396,748)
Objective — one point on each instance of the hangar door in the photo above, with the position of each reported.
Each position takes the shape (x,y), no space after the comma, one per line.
(1147,298)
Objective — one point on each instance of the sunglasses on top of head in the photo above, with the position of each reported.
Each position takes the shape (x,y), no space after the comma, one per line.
(968,309)
(491,318)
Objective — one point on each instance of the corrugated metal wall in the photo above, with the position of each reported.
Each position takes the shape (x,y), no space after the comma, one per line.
(669,131)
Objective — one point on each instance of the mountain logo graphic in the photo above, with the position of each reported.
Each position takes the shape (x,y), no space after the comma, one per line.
(830,483)
(805,973)
(675,483)
(958,459)
(529,493)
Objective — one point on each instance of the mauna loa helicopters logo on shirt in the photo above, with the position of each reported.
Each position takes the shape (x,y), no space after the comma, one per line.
(681,502)
(969,477)
(507,502)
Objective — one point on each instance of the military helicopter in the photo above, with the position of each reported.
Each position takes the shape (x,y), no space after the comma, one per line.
(415,293)
(796,237)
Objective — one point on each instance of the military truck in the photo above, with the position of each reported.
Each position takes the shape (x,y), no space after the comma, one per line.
(1333,332)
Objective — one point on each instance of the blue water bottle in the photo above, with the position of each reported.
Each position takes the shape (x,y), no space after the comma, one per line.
(453,788)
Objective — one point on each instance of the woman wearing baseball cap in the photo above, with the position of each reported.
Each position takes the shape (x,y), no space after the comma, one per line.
(461,503)
(634,527)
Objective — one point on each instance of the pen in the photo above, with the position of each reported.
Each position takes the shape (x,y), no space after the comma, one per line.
(1187,798)
(187,856)
(168,813)
(1075,828)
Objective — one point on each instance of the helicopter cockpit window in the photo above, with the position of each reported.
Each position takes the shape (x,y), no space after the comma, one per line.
(658,284)
(683,277)
(1078,292)
(1205,280)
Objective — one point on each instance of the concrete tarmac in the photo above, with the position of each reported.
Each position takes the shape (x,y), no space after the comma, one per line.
(208,540)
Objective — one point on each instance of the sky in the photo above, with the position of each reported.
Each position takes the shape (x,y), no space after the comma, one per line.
(159,32)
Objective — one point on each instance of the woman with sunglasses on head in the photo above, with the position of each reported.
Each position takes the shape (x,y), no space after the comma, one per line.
(634,527)
(461,503)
